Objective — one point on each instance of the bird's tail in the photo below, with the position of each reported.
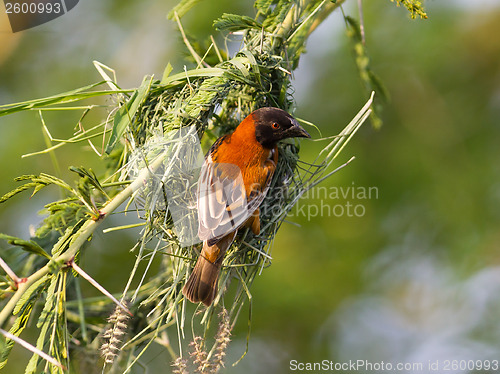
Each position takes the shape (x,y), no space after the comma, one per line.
(202,283)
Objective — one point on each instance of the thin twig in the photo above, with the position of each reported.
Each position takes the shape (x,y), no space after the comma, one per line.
(48,143)
(307,19)
(32,348)
(195,55)
(216,49)
(9,272)
(124,227)
(94,283)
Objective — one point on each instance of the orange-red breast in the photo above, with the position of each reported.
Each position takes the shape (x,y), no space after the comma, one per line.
(233,183)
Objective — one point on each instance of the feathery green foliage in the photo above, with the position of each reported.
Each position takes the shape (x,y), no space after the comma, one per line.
(415,7)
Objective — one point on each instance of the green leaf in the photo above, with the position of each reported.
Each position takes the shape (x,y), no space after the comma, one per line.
(24,307)
(263,5)
(276,15)
(90,175)
(415,8)
(182,8)
(31,294)
(238,63)
(19,189)
(50,179)
(125,114)
(37,182)
(253,62)
(354,29)
(166,73)
(233,22)
(37,188)
(63,98)
(3,343)
(194,73)
(44,322)
(27,245)
(64,241)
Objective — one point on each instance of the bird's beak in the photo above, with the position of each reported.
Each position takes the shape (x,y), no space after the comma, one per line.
(296,131)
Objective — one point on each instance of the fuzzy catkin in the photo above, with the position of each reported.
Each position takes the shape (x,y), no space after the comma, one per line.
(113,336)
(222,340)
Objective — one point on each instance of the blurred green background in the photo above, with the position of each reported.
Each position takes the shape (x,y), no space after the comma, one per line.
(416,278)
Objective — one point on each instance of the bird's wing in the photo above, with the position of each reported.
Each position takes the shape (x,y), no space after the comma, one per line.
(223,204)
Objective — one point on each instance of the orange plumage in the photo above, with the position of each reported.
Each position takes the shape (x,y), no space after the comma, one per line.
(234,180)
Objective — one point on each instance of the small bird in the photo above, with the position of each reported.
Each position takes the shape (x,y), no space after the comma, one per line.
(234,181)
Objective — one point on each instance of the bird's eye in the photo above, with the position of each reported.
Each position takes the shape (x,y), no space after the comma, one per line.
(275,126)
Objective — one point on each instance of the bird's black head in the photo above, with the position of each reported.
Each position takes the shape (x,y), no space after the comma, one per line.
(273,125)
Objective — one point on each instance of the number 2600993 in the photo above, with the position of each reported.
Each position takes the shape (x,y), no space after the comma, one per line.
(470,365)
(33,8)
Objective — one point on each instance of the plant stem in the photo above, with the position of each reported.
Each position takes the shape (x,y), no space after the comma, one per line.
(327,9)
(9,271)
